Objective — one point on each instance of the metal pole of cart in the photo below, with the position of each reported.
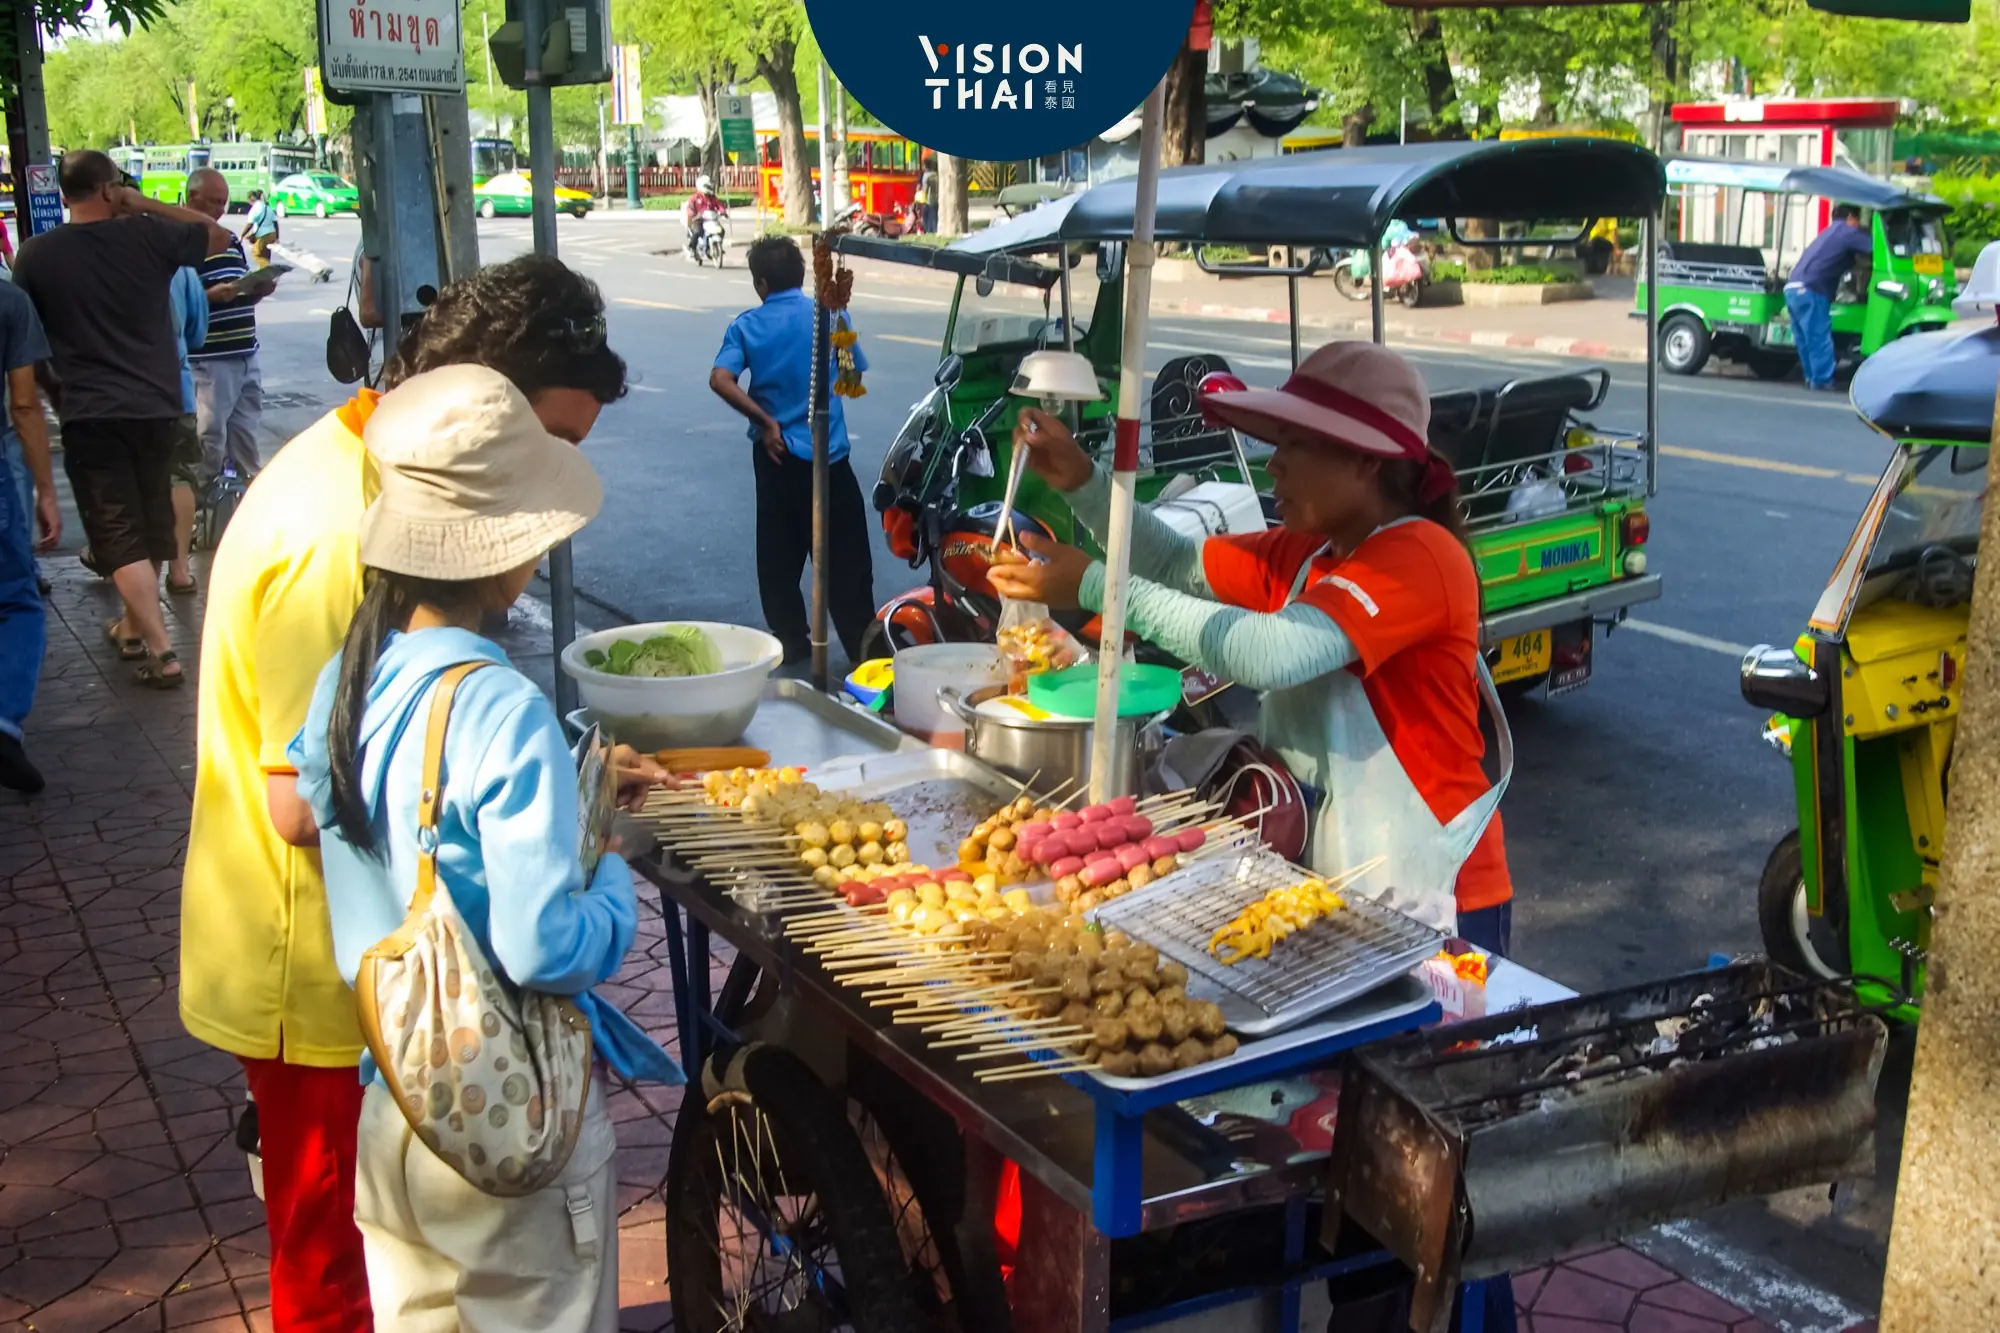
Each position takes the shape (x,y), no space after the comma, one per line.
(1125,454)
(1292,292)
(1378,319)
(1650,239)
(1068,315)
(821,418)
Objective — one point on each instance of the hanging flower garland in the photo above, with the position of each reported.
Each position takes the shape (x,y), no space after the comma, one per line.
(835,281)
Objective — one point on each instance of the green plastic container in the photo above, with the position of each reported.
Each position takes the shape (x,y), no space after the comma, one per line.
(1072,692)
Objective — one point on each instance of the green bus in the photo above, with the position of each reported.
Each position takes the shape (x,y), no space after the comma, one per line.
(250,165)
(163,169)
(493,157)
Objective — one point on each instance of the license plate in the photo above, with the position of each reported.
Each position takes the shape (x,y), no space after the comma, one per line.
(1522,656)
(1778,333)
(1932,264)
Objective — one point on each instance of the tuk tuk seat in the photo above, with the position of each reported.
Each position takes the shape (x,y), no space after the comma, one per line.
(1492,426)
(1736,266)
(1179,433)
(1932,386)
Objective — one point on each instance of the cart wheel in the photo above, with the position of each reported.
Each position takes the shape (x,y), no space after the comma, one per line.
(919,1162)
(1794,937)
(1772,365)
(1411,294)
(775,1216)
(1348,285)
(1683,344)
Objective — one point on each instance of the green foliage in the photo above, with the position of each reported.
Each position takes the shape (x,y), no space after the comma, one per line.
(1447,270)
(1518,275)
(662,203)
(1975,209)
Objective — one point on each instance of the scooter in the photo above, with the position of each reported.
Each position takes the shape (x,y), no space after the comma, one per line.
(711,243)
(1407,271)
(1866,702)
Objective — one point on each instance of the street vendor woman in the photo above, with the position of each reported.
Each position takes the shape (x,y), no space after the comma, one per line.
(1358,619)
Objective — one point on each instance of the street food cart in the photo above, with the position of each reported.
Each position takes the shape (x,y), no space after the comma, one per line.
(967,1052)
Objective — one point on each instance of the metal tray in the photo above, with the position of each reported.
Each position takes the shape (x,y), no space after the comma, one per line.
(1339,957)
(803,728)
(941,794)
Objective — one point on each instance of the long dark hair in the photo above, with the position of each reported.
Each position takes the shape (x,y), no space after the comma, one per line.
(1403,480)
(387,605)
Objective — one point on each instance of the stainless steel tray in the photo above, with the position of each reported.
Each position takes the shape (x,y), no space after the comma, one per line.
(1337,958)
(803,728)
(941,794)
(1399,997)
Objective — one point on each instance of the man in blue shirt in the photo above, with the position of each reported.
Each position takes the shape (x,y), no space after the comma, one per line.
(1809,291)
(773,343)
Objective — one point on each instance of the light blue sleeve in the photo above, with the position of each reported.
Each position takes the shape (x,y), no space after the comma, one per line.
(549,930)
(1258,650)
(1159,553)
(308,750)
(193,304)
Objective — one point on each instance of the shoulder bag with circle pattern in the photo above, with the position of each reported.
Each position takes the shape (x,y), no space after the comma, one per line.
(491,1077)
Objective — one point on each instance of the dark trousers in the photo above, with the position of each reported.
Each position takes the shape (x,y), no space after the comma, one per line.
(784,546)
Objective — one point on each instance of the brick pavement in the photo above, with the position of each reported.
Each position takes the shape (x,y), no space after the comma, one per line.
(124,1202)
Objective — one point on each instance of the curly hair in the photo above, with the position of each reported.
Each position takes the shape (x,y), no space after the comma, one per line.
(533,319)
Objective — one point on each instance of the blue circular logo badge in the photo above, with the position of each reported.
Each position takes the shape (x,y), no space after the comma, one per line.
(1003,83)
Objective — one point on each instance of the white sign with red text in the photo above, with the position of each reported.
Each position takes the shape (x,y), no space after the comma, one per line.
(391,46)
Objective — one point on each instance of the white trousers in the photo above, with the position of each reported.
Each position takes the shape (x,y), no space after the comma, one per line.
(442,1256)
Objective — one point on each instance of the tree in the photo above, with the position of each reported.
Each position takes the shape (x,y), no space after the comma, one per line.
(690,43)
(770,37)
(1184,133)
(954,194)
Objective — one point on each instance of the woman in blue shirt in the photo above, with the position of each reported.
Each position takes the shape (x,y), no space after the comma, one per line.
(473,493)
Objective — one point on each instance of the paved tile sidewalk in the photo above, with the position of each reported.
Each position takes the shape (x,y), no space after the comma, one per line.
(124,1202)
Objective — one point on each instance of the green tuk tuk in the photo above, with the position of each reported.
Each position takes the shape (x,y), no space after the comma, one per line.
(1736,228)
(1867,700)
(1556,507)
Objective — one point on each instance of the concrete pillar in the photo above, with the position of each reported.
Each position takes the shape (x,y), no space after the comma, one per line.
(1944,1248)
(27,113)
(453,118)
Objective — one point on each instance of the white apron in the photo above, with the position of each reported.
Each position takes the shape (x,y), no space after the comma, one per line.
(1327,733)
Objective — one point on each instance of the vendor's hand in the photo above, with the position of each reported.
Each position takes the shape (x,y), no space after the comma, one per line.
(638,773)
(774,441)
(1052,578)
(1053,452)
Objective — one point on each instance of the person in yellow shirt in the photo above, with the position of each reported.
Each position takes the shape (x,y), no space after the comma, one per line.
(257,970)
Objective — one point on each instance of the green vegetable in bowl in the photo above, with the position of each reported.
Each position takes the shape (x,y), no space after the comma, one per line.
(678,650)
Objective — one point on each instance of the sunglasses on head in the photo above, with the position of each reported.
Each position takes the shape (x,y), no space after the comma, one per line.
(581,335)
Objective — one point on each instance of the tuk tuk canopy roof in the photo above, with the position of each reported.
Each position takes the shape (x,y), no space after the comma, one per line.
(1935,386)
(1835,183)
(1348,196)
(949,259)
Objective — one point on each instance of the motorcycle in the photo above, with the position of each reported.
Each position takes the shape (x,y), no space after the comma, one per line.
(711,242)
(905,221)
(1406,269)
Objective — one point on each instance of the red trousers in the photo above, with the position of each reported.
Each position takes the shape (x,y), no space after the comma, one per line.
(306,1119)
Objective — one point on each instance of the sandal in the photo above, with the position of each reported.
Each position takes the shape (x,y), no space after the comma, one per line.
(153,675)
(187,589)
(129,649)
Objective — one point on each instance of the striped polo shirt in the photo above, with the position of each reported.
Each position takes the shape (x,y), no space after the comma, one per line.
(232,327)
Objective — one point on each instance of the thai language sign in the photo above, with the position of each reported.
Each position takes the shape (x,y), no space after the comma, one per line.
(391,46)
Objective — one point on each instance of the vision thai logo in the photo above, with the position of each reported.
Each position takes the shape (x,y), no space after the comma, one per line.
(1033,78)
(986,76)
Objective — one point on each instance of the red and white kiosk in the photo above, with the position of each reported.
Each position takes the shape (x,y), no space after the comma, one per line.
(1855,132)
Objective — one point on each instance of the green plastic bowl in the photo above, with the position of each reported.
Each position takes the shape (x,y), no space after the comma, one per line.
(1072,692)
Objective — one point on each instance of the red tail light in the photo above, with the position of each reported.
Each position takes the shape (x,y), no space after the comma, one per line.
(1576,463)
(1573,654)
(1637,528)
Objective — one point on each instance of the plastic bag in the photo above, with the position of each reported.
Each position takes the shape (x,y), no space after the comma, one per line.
(1032,642)
(1400,268)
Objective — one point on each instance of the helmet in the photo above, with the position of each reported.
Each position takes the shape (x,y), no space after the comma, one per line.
(703,185)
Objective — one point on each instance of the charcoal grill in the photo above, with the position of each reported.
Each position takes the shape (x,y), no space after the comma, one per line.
(1481,1147)
(1341,955)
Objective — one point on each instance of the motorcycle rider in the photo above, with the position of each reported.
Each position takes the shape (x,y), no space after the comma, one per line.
(702,202)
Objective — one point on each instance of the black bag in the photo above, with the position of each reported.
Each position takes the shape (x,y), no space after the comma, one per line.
(347,348)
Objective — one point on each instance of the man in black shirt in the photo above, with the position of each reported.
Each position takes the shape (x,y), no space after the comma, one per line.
(100,283)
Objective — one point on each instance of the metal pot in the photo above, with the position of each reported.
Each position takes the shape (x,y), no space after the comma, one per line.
(1052,752)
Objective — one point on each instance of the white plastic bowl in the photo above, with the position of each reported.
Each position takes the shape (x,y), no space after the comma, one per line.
(675,712)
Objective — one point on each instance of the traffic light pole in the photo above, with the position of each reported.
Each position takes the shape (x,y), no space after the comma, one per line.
(542,168)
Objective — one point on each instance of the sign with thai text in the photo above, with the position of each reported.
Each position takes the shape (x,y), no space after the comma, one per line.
(391,46)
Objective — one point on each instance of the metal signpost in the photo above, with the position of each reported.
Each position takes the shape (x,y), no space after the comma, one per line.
(628,108)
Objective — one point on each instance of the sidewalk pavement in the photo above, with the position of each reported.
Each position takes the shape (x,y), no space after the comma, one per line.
(124,1202)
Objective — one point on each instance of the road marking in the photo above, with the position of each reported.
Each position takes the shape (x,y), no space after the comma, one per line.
(904,338)
(1746,1280)
(1684,637)
(909,300)
(646,388)
(1776,513)
(658,305)
(1765,464)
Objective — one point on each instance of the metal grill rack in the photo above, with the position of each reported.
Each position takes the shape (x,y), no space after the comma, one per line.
(1338,957)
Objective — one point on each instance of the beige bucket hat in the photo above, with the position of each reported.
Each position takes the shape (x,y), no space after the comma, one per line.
(472,485)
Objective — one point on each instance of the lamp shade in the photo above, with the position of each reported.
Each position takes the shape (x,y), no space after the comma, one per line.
(1065,377)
